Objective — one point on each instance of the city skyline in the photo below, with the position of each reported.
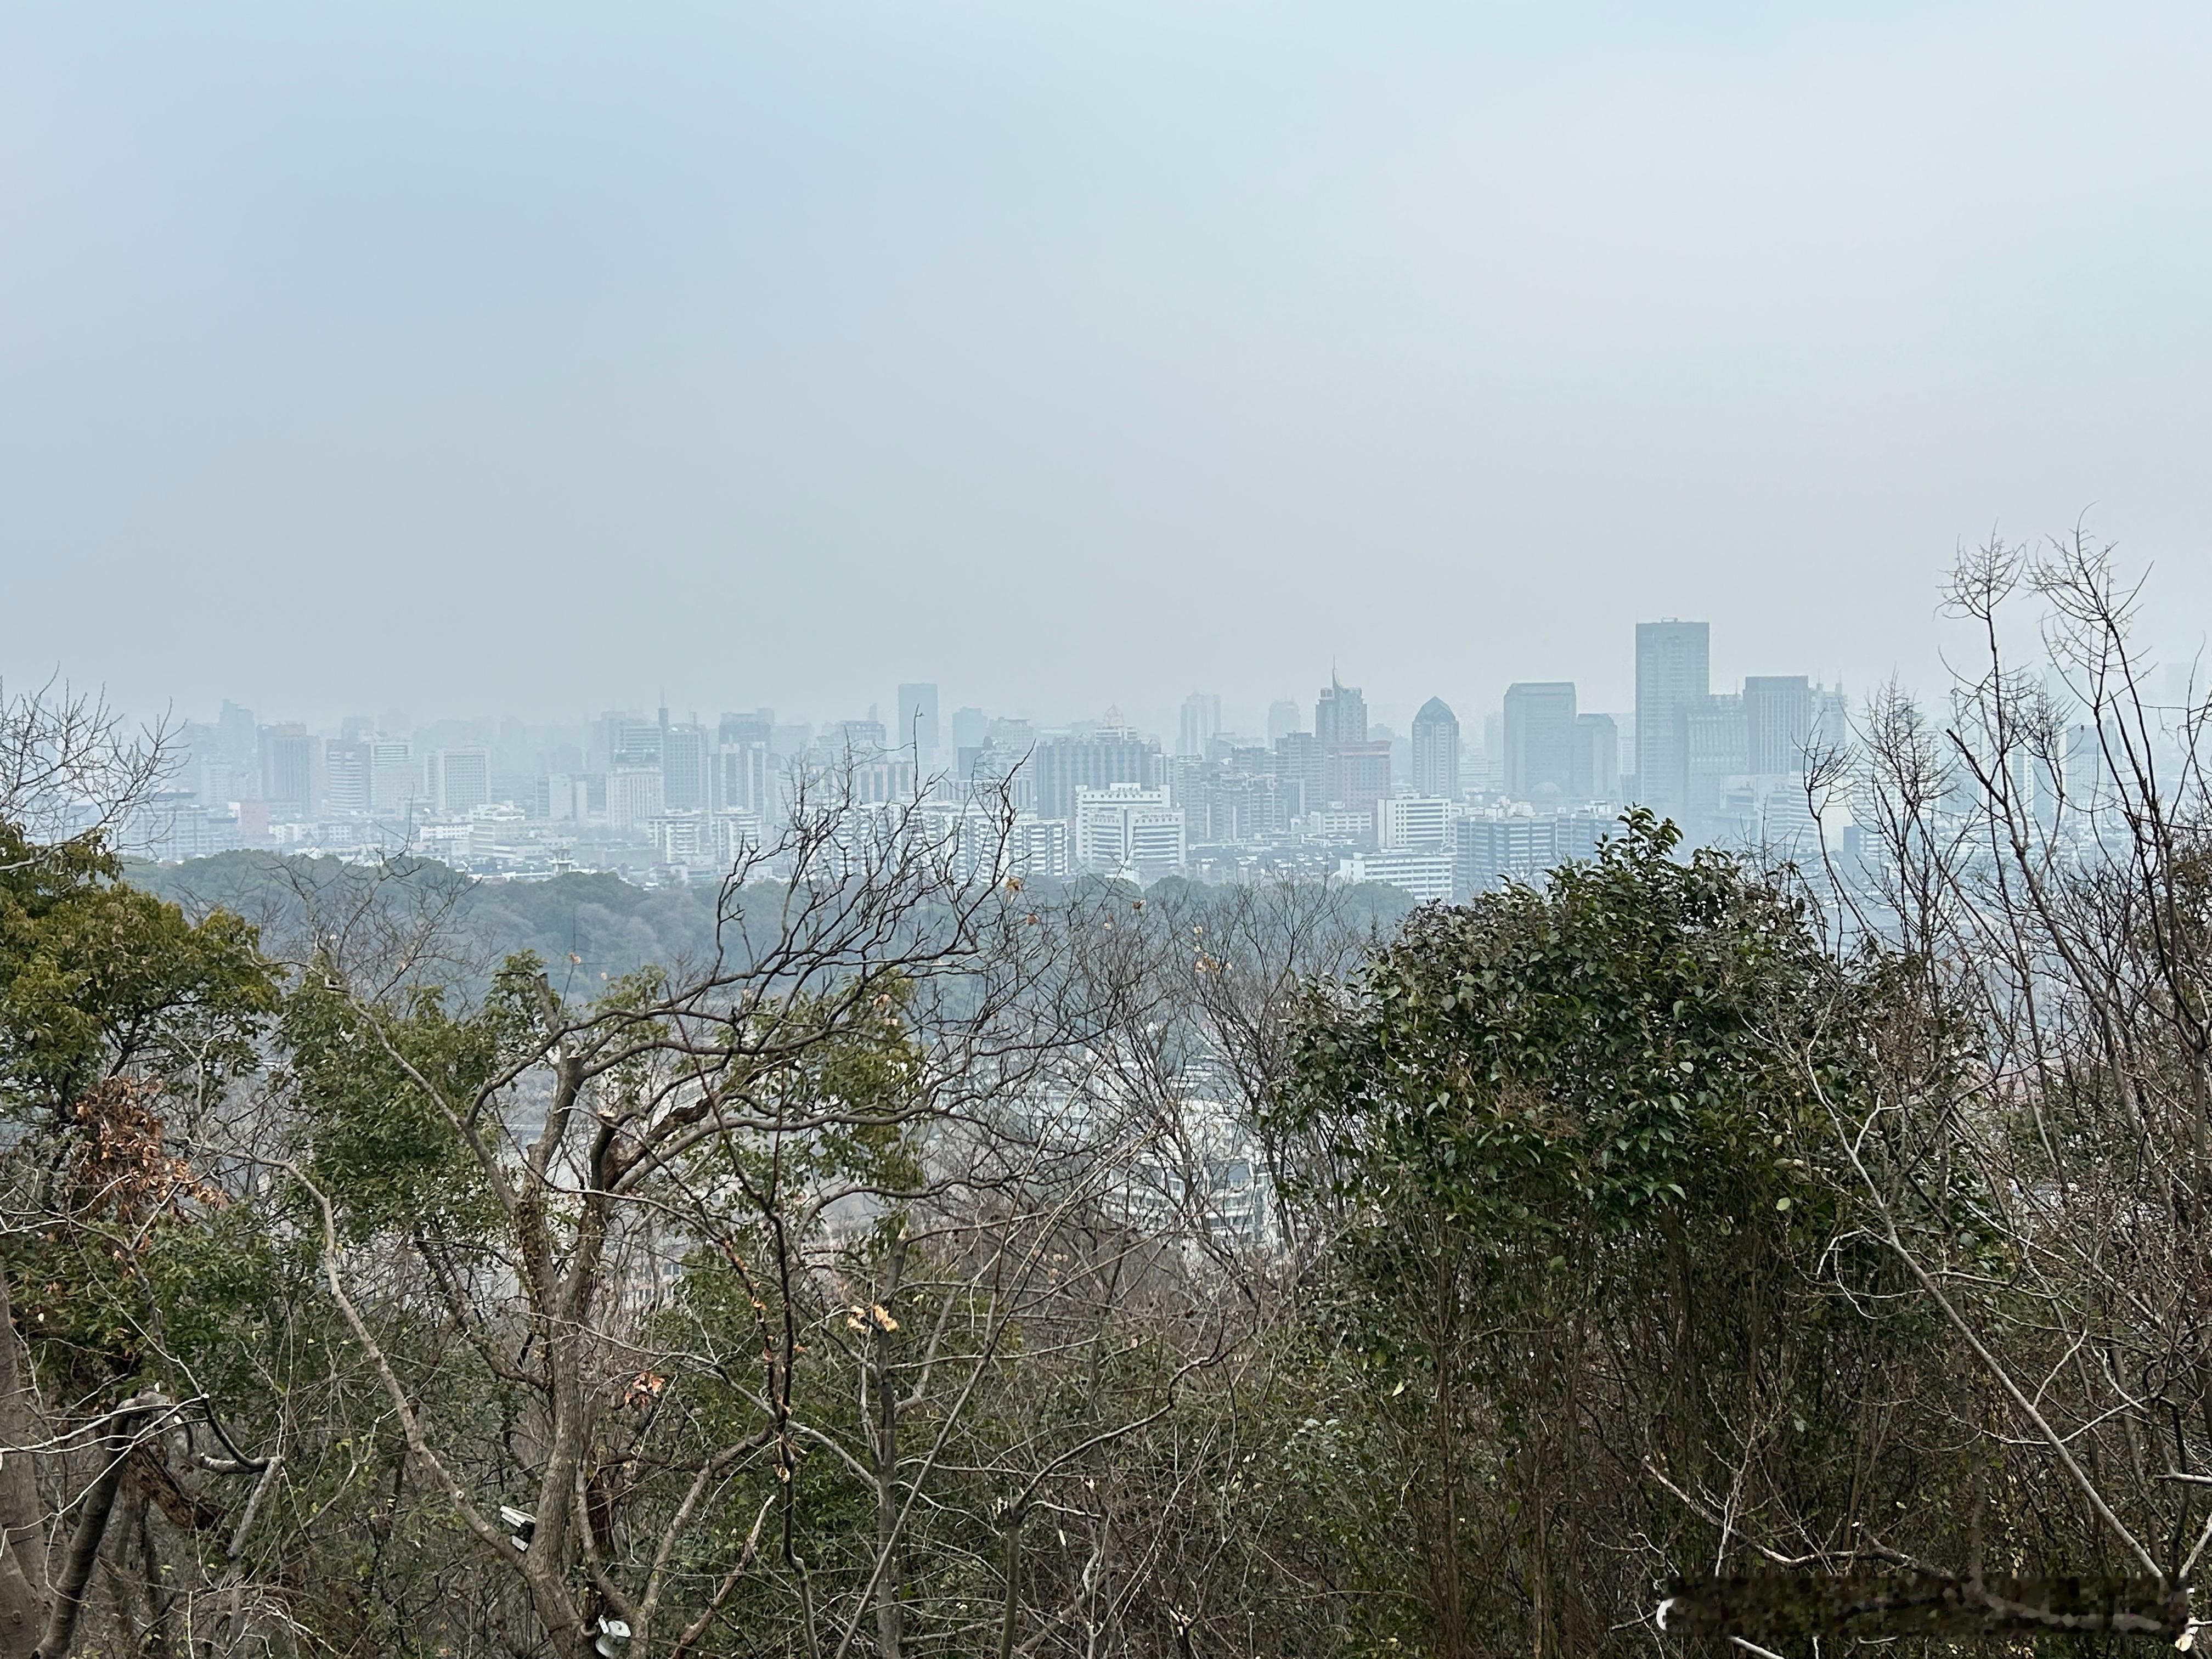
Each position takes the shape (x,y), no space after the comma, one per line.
(1440,809)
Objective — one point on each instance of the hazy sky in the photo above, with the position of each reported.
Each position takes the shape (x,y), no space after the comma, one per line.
(473,357)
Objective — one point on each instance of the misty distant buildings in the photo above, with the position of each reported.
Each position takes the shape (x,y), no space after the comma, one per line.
(459,780)
(1595,772)
(1436,751)
(1199,723)
(1673,674)
(657,798)
(1129,830)
(1778,712)
(1105,758)
(1540,741)
(288,770)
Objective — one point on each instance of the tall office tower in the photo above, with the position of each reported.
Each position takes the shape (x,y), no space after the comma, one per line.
(236,737)
(1109,755)
(632,798)
(345,776)
(287,771)
(686,769)
(624,740)
(917,725)
(1540,738)
(394,780)
(1673,674)
(1201,723)
(1831,717)
(1355,772)
(1715,747)
(1283,717)
(745,764)
(1339,715)
(1778,711)
(1597,758)
(1359,775)
(460,779)
(1301,766)
(1436,751)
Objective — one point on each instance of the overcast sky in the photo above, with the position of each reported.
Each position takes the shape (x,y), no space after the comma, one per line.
(474,358)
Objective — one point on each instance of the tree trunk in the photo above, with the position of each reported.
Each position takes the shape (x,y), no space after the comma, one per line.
(888,1622)
(1013,1570)
(83,1551)
(23,1536)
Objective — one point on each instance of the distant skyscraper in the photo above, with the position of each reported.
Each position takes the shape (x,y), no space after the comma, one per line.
(1341,715)
(345,776)
(1716,748)
(1300,762)
(1597,758)
(1359,775)
(460,779)
(1282,719)
(632,798)
(628,742)
(1436,751)
(288,770)
(1539,739)
(1778,712)
(686,769)
(1355,772)
(1109,755)
(745,764)
(394,780)
(1201,722)
(971,727)
(235,737)
(1673,674)
(917,725)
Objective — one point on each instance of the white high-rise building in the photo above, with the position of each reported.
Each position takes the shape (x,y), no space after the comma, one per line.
(1129,830)
(394,780)
(634,796)
(1408,821)
(459,780)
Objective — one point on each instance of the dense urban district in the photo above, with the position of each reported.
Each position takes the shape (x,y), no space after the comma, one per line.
(667,1190)
(1439,812)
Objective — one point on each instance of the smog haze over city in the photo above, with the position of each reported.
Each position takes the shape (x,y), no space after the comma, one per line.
(495,359)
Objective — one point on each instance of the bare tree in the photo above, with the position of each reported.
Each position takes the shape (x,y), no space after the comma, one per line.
(72,769)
